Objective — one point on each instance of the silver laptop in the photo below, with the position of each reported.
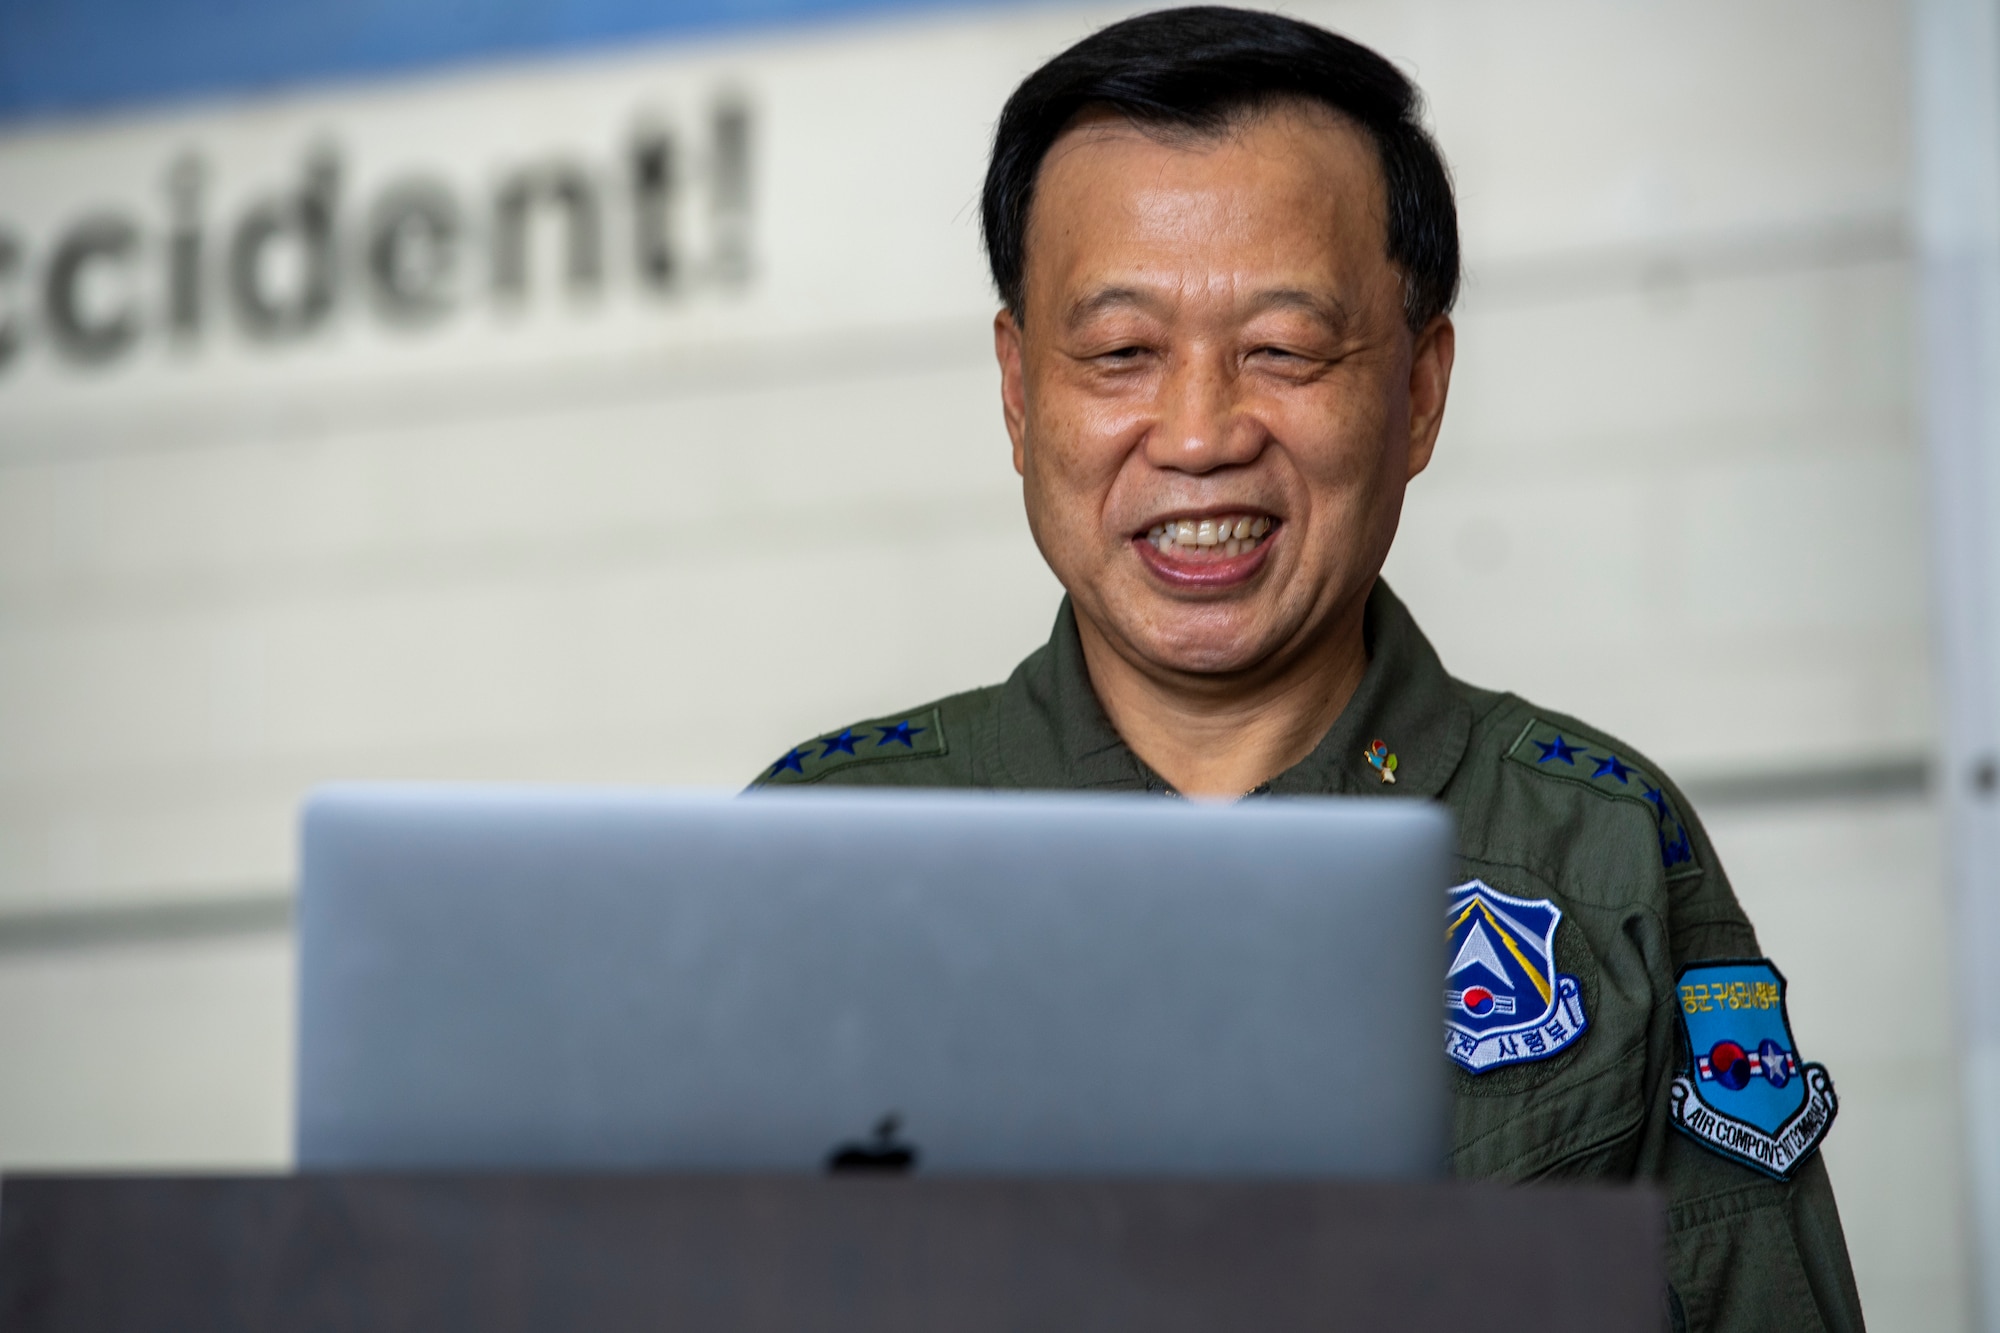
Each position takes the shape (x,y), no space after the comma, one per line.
(578,979)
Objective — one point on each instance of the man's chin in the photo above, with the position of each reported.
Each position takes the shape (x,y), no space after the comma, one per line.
(1168,634)
(1204,649)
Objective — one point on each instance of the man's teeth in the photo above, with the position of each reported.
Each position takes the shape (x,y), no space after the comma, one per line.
(1233,535)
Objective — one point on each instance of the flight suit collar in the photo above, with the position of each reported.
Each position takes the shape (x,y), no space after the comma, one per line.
(1405,700)
(1055,734)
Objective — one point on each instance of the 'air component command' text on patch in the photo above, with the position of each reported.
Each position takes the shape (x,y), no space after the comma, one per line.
(1746,1094)
(1504,1002)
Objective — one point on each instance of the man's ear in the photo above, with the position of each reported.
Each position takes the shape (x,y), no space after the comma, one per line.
(1430,384)
(1013,388)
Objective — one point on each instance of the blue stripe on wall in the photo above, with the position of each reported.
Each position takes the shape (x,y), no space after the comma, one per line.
(64,56)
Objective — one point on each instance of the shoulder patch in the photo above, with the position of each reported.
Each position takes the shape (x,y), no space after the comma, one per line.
(1744,1092)
(909,736)
(1504,1001)
(1553,753)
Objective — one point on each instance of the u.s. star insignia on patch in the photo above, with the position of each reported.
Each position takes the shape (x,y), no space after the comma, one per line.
(1746,1094)
(1504,1002)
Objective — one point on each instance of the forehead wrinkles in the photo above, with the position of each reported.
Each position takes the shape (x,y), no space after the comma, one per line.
(1222,289)
(1179,197)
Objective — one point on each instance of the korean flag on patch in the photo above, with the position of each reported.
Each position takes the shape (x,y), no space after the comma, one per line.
(1746,1093)
(1504,1002)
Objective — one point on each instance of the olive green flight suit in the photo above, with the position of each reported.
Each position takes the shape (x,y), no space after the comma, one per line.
(1639,887)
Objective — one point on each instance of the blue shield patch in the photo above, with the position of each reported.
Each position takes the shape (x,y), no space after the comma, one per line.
(1504,1002)
(1745,1093)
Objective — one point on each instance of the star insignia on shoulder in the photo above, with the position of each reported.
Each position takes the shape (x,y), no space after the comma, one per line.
(1558,749)
(893,739)
(902,732)
(1611,766)
(1546,748)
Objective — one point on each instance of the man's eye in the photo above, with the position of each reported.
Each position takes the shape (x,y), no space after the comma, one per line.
(1287,361)
(1124,354)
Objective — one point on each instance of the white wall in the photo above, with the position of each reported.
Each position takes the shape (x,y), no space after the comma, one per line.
(636,540)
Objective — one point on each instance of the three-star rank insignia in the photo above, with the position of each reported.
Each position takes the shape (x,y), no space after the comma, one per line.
(1504,1001)
(1745,1092)
(1558,753)
(893,737)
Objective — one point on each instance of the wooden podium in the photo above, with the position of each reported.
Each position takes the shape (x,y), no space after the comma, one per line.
(607,1254)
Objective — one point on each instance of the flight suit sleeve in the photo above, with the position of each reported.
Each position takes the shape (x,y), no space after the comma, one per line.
(1747,1253)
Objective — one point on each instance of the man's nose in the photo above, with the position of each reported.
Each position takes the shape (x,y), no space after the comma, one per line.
(1201,425)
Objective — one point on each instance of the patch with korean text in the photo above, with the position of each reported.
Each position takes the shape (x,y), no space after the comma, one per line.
(1504,1001)
(1745,1093)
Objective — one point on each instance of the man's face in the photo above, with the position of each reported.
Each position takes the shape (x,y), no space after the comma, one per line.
(1214,397)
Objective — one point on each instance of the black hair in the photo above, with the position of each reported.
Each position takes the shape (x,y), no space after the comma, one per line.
(1198,70)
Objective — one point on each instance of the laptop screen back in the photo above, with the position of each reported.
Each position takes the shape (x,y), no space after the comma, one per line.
(497,977)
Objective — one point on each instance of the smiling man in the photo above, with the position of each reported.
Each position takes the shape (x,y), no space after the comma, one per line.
(1227,252)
